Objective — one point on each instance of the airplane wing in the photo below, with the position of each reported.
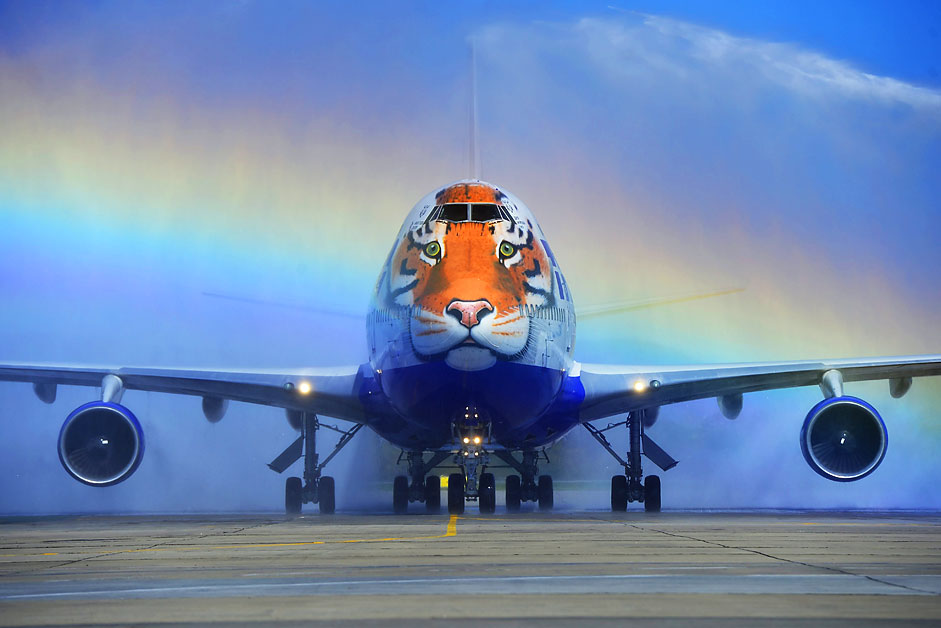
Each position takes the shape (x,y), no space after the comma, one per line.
(332,392)
(611,390)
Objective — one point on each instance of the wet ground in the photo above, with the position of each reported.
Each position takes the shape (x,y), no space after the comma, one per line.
(589,568)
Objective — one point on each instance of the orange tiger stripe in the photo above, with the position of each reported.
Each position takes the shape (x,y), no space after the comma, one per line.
(469,193)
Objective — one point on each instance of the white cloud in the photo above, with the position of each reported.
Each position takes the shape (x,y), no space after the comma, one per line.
(666,45)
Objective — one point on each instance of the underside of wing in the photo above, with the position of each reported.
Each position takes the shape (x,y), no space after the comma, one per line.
(336,392)
(611,390)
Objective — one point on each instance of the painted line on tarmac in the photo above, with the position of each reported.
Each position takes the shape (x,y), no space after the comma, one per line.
(767,584)
(450,531)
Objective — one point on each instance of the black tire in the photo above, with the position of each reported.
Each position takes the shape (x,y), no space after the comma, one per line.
(487,493)
(456,493)
(433,493)
(293,490)
(400,495)
(618,493)
(544,490)
(326,492)
(652,493)
(514,493)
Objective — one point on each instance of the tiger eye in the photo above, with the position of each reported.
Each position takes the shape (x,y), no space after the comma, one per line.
(432,249)
(507,250)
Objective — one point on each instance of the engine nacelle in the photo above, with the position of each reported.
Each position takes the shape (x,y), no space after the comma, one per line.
(101,443)
(843,439)
(650,416)
(295,419)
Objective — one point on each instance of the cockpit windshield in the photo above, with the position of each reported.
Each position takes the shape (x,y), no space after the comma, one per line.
(468,212)
(484,212)
(454,212)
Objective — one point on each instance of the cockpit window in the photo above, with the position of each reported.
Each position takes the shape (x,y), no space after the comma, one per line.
(454,212)
(464,212)
(484,213)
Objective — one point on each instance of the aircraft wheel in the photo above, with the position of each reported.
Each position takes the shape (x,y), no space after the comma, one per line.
(456,493)
(618,493)
(432,493)
(327,494)
(652,493)
(487,493)
(292,496)
(544,489)
(514,493)
(400,495)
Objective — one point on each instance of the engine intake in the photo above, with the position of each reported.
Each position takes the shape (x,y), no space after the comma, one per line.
(843,439)
(101,443)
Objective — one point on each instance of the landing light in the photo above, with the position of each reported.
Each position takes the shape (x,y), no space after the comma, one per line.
(466,453)
(466,440)
(640,386)
(477,440)
(304,388)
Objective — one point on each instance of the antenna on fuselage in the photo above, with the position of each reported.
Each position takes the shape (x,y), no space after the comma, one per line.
(474,130)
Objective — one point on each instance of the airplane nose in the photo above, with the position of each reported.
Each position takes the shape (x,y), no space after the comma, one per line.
(469,312)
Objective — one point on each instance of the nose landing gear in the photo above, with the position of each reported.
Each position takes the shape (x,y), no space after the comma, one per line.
(472,459)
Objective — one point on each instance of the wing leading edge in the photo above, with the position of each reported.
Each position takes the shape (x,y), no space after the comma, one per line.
(333,392)
(611,390)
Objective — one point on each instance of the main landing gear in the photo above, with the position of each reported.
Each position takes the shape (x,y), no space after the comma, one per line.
(472,482)
(527,486)
(632,487)
(418,485)
(315,488)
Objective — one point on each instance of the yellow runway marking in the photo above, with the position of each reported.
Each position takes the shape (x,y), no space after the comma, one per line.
(450,531)
(541,520)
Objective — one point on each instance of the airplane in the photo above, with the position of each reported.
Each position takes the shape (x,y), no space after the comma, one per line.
(470,338)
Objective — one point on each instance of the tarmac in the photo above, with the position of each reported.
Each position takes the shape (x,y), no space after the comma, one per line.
(531,568)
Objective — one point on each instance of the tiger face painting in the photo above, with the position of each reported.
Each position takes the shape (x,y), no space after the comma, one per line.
(472,279)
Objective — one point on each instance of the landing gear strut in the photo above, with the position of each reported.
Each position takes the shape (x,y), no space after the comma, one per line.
(315,488)
(527,487)
(418,486)
(632,487)
(473,482)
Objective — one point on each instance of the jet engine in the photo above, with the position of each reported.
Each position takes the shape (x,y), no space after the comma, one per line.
(843,439)
(101,443)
